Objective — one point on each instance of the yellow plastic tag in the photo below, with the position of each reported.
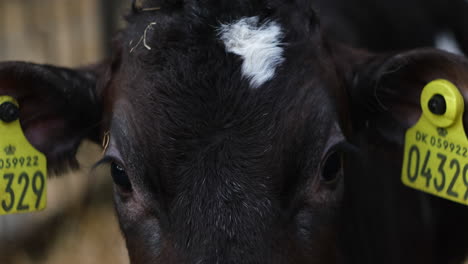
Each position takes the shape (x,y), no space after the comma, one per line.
(436,148)
(23,170)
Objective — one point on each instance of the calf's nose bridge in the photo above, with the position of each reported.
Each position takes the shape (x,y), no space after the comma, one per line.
(220,216)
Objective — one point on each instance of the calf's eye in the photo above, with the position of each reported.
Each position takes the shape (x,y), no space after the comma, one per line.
(332,167)
(120,177)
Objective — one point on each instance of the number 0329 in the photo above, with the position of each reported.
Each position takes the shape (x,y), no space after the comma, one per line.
(22,185)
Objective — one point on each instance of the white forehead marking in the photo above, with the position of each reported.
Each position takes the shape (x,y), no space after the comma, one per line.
(258,45)
(446,41)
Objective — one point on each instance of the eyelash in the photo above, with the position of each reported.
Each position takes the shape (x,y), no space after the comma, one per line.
(345,147)
(124,183)
(104,161)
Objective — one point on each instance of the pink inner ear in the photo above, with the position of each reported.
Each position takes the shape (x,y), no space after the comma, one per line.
(45,134)
(407,114)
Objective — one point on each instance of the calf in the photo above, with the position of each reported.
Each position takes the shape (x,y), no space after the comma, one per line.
(240,134)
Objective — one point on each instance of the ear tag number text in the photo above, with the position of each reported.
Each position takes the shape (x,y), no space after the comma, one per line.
(436,149)
(23,169)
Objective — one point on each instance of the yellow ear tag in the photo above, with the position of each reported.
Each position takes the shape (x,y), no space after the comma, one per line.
(23,169)
(436,148)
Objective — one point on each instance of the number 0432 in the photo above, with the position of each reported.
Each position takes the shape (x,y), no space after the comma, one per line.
(439,173)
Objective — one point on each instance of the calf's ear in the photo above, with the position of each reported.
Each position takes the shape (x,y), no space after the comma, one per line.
(59,107)
(385,90)
(385,101)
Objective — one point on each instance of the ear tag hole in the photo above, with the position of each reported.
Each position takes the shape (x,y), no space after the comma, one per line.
(437,104)
(436,148)
(23,169)
(442,104)
(9,112)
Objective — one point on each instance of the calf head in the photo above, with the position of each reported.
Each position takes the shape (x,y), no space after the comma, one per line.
(225,155)
(230,126)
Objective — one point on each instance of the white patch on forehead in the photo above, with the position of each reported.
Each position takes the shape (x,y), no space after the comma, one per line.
(446,41)
(258,45)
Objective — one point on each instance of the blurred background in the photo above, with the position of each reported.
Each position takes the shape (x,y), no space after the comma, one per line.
(79,225)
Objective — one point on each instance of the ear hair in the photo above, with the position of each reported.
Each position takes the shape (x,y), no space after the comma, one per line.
(106,141)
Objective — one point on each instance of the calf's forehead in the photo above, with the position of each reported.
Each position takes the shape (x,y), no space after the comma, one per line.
(244,77)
